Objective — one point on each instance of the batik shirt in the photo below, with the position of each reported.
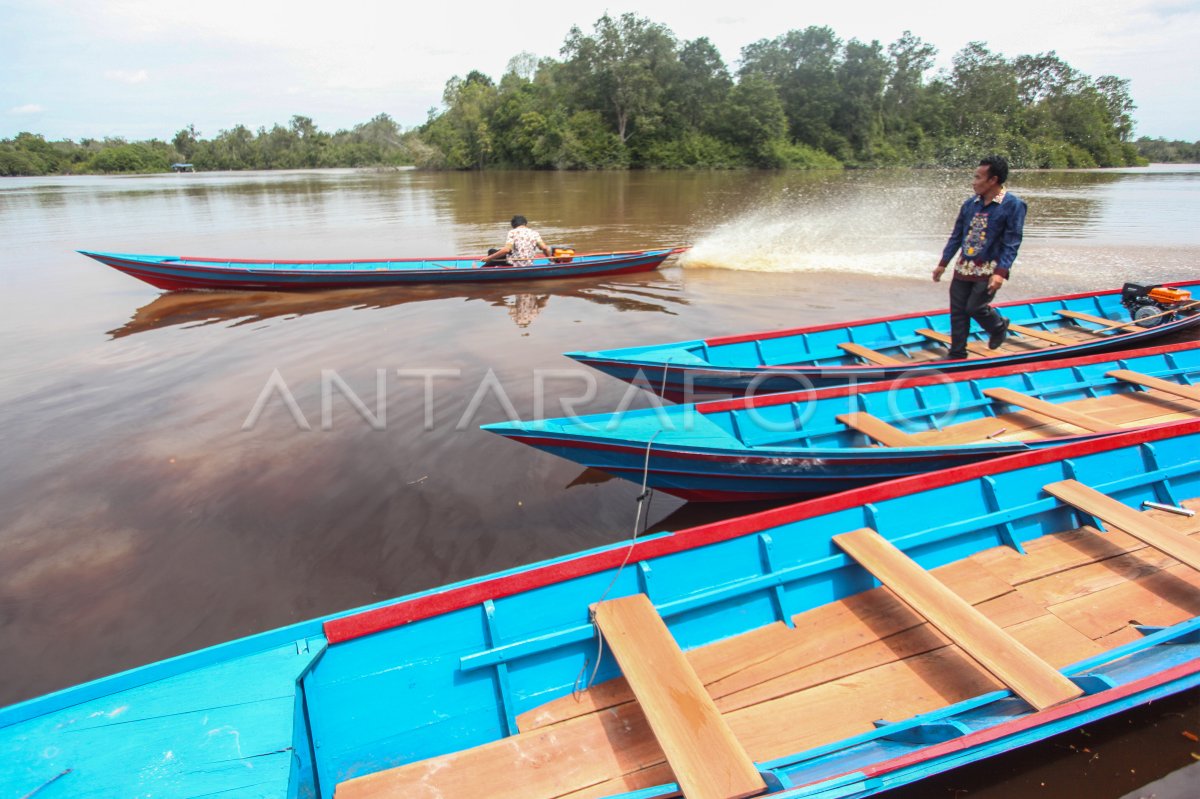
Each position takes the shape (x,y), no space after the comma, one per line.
(524,243)
(988,236)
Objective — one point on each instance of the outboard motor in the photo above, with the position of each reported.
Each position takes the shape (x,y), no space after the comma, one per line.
(1151,306)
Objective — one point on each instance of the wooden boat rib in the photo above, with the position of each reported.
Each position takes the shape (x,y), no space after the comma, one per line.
(185,273)
(887,348)
(946,650)
(807,443)
(469,688)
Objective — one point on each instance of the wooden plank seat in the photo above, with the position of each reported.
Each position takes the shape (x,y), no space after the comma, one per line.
(1049,409)
(1104,322)
(878,429)
(1149,531)
(1109,324)
(1165,386)
(706,758)
(1044,335)
(869,355)
(1004,657)
(972,346)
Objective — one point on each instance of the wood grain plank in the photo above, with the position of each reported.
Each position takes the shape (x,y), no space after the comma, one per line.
(1019,400)
(972,346)
(1164,597)
(869,355)
(541,764)
(1003,656)
(1166,386)
(1033,332)
(878,429)
(775,649)
(1132,522)
(708,761)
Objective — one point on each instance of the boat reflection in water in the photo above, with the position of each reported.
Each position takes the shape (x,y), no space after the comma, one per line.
(199,309)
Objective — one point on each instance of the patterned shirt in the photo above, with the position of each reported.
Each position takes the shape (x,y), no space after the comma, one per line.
(524,243)
(988,235)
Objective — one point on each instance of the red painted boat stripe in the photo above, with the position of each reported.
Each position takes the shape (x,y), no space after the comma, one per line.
(405,611)
(1032,720)
(769,334)
(767,400)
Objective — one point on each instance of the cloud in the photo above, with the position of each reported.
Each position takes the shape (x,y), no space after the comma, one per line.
(28,108)
(128,75)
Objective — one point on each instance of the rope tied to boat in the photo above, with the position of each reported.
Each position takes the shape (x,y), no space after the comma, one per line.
(644,497)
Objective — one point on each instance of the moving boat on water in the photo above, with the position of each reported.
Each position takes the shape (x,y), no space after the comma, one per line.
(753,656)
(173,273)
(809,443)
(900,346)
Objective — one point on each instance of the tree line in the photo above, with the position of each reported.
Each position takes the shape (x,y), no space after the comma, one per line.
(1161,151)
(630,94)
(298,145)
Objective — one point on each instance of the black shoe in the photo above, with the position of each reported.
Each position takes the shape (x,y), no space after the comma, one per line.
(997,338)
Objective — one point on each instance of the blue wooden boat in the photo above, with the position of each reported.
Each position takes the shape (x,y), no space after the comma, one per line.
(1005,621)
(809,443)
(900,346)
(174,273)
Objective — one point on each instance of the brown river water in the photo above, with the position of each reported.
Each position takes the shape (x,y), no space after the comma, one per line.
(147,509)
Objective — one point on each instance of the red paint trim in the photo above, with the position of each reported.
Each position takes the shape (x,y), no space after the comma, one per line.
(1039,718)
(769,334)
(270,280)
(854,455)
(235,261)
(405,611)
(767,400)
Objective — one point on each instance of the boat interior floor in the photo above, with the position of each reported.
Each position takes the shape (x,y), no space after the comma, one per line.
(1028,418)
(1021,338)
(913,645)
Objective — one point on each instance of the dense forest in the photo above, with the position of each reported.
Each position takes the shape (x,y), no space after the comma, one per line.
(631,94)
(1161,151)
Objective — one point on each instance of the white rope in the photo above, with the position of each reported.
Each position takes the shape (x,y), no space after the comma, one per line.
(645,495)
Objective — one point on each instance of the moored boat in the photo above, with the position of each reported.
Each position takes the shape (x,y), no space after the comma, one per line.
(1006,619)
(900,346)
(809,443)
(173,273)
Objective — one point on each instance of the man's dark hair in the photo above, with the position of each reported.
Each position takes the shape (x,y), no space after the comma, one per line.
(997,167)
(519,220)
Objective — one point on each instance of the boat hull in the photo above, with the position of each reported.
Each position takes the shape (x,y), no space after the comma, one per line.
(763,363)
(173,273)
(298,711)
(722,451)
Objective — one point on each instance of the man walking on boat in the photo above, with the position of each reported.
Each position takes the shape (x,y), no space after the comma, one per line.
(988,232)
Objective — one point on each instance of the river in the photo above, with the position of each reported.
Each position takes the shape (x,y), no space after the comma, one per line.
(150,504)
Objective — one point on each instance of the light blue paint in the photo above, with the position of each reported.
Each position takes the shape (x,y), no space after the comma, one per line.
(433,686)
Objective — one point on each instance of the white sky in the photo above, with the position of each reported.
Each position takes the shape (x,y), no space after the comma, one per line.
(146,68)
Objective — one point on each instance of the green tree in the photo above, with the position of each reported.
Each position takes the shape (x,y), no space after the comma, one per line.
(702,87)
(802,65)
(185,142)
(621,71)
(862,75)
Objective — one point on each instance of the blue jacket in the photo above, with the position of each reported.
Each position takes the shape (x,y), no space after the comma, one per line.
(988,236)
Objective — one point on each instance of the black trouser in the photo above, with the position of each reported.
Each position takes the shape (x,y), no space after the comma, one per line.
(969,300)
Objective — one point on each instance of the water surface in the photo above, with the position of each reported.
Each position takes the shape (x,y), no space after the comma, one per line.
(141,515)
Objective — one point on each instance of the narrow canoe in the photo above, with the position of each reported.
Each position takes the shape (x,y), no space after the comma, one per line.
(809,443)
(818,684)
(173,273)
(887,347)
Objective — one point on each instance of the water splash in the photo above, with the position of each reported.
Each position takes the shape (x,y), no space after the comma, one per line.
(871,234)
